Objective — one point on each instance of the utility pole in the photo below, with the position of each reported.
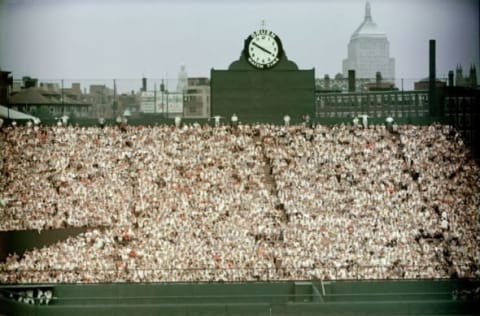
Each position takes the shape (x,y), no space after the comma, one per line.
(114,105)
(155,97)
(162,90)
(62,96)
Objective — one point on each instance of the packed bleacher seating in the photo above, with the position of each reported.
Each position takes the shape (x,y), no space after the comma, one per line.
(252,202)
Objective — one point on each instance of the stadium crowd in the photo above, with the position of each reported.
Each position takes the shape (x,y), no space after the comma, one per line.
(252,202)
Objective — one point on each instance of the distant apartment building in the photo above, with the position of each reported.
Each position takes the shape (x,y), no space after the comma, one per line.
(193,101)
(424,84)
(74,93)
(102,97)
(128,103)
(161,102)
(149,103)
(49,101)
(339,83)
(197,98)
(17,86)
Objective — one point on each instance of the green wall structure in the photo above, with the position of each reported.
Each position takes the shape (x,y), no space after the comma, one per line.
(381,297)
(263,95)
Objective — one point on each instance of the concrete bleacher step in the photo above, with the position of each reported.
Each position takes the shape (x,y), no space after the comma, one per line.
(269,180)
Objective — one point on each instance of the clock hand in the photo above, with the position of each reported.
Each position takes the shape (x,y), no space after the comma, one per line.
(264,49)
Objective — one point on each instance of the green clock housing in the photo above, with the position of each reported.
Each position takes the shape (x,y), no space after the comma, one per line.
(263,85)
(263,49)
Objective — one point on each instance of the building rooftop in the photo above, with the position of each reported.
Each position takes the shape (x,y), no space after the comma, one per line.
(36,96)
(30,96)
(368,28)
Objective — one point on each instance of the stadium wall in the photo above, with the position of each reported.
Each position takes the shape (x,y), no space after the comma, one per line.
(385,297)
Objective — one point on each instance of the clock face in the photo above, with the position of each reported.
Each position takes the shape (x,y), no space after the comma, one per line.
(263,49)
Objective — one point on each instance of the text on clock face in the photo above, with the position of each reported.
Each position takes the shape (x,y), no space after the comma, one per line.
(263,49)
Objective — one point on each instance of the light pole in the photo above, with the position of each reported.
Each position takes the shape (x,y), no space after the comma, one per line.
(162,90)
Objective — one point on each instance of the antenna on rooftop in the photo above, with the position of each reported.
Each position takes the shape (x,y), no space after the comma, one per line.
(263,24)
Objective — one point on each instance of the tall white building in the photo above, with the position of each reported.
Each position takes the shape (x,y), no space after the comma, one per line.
(368,51)
(182,82)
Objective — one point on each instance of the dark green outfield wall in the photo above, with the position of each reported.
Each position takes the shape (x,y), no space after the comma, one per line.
(407,297)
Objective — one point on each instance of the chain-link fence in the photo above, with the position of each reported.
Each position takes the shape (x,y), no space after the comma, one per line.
(92,99)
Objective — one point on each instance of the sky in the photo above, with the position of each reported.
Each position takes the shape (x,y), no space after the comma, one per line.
(104,39)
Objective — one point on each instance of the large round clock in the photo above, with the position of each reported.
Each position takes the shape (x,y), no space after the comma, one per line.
(263,49)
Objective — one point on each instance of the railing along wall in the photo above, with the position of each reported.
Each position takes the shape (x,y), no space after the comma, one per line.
(124,273)
(397,104)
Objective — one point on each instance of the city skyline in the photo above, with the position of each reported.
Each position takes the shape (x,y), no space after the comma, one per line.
(77,40)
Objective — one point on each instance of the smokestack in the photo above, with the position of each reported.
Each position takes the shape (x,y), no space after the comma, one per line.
(351,80)
(432,75)
(431,80)
(144,84)
(450,78)
(327,82)
(378,78)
